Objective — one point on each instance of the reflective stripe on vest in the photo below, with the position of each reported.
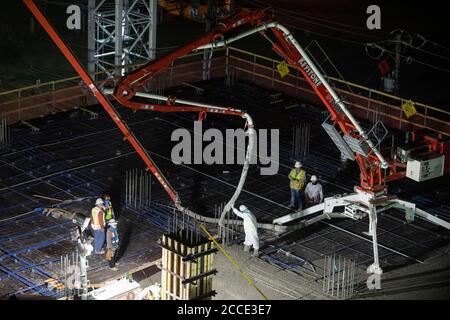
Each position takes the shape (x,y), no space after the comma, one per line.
(109,212)
(95,218)
(301,176)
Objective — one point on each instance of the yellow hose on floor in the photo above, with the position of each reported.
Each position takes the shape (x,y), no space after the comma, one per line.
(235,265)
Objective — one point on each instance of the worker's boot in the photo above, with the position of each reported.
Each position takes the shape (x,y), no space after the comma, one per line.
(246,248)
(255,253)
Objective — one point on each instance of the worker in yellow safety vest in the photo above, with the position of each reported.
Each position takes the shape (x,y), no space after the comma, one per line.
(108,208)
(98,226)
(297,176)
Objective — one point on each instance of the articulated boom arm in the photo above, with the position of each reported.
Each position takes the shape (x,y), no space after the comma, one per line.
(357,205)
(127,86)
(287,47)
(132,81)
(96,91)
(371,167)
(372,175)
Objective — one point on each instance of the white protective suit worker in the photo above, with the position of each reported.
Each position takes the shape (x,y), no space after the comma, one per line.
(250,229)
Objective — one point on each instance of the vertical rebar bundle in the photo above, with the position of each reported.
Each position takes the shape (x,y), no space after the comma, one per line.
(156,86)
(300,140)
(338,277)
(138,189)
(374,118)
(181,223)
(74,275)
(229,231)
(230,77)
(4,132)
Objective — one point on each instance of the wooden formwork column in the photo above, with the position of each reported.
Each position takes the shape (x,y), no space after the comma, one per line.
(186,266)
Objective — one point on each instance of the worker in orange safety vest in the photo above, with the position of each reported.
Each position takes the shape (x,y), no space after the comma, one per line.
(98,226)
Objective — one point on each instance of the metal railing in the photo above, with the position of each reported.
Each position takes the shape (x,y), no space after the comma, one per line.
(61,95)
(365,102)
(356,87)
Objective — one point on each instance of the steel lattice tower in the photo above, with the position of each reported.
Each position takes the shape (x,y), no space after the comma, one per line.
(120,32)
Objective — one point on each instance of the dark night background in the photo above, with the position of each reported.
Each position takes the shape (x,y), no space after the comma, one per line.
(75,155)
(339,26)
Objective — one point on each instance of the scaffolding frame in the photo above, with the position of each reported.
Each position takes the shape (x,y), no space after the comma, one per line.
(120,32)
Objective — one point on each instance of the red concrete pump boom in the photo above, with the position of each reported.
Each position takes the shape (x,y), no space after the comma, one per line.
(375,170)
(371,167)
(369,198)
(127,86)
(100,97)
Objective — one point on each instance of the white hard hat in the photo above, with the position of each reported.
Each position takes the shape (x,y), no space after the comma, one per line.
(99,201)
(112,222)
(242,207)
(314,178)
(298,164)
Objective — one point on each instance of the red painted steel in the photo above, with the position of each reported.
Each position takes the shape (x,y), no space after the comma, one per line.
(127,85)
(372,177)
(101,98)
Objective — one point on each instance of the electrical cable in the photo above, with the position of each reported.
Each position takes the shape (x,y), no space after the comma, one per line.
(419,62)
(420,49)
(322,23)
(360,43)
